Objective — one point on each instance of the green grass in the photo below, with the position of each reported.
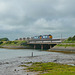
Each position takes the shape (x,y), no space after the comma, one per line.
(66,41)
(66,45)
(15,43)
(52,69)
(23,66)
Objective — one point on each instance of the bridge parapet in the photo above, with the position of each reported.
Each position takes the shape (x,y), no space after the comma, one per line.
(45,41)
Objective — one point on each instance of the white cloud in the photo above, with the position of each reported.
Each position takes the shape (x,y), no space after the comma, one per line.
(9,27)
(3,7)
(48,24)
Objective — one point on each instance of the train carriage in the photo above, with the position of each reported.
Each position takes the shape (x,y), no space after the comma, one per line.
(41,37)
(47,36)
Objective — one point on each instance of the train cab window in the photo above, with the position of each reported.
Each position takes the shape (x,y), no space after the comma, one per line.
(35,37)
(44,37)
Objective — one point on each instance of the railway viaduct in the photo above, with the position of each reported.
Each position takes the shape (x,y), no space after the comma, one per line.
(44,43)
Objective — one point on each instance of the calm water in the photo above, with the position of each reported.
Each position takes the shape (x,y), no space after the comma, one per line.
(12,53)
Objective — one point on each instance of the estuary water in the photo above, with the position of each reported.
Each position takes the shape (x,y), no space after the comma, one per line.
(9,54)
(11,59)
(13,53)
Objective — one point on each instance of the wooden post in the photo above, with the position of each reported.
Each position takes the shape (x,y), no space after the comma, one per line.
(41,47)
(34,46)
(32,54)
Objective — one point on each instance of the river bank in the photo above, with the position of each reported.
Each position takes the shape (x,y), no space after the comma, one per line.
(66,47)
(16,47)
(12,66)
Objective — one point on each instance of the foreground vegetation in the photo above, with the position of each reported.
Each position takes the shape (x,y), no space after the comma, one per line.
(52,69)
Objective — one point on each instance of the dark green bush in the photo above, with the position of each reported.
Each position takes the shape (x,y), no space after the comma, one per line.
(1,42)
(4,39)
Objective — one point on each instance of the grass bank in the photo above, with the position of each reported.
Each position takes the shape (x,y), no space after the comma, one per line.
(52,68)
(70,42)
(14,44)
(66,45)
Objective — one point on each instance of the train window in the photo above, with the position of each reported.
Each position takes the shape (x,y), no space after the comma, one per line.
(44,37)
(36,37)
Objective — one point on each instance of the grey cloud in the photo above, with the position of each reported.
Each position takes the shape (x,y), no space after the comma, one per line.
(37,16)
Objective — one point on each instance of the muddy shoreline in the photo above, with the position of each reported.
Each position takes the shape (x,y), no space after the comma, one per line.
(16,47)
(11,66)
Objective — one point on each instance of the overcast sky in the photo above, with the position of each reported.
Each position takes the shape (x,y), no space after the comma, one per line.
(22,18)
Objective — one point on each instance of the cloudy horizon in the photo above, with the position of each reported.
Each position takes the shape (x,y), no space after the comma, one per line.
(27,18)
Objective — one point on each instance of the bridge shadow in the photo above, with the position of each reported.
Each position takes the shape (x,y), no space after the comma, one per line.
(42,46)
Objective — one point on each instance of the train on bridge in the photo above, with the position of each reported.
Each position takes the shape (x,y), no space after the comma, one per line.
(42,37)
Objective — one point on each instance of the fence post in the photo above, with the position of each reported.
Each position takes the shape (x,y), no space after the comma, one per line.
(32,54)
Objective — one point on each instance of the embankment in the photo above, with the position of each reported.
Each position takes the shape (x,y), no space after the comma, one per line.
(17,47)
(64,47)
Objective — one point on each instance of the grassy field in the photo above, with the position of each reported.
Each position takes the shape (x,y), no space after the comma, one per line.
(52,69)
(66,45)
(70,40)
(66,41)
(14,43)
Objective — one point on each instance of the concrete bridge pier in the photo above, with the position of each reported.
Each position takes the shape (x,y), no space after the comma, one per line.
(50,46)
(34,46)
(41,47)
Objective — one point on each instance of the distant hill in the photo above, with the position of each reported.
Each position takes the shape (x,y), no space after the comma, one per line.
(4,39)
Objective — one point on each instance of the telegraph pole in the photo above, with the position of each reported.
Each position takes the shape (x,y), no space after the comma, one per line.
(61,36)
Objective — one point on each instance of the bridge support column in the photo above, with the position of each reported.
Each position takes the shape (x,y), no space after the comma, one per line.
(34,46)
(50,46)
(41,47)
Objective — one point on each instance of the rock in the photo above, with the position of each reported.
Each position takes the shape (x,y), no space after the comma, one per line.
(0,63)
(55,60)
(14,69)
(7,63)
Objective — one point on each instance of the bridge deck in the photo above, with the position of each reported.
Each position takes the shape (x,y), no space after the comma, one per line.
(46,43)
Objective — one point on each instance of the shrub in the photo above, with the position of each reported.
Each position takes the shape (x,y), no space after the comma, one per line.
(4,39)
